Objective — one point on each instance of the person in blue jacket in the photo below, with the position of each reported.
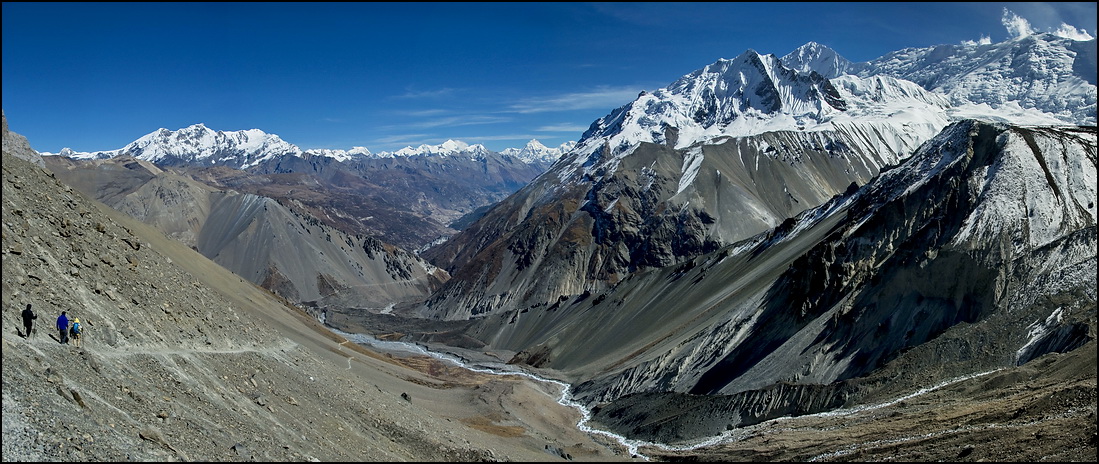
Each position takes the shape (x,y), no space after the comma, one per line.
(63,326)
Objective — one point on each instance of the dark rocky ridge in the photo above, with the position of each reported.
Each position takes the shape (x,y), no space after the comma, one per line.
(556,238)
(911,282)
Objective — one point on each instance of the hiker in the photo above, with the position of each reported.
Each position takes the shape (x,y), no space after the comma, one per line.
(28,320)
(76,331)
(63,327)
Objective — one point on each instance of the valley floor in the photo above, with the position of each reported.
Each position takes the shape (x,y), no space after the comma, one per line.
(1039,412)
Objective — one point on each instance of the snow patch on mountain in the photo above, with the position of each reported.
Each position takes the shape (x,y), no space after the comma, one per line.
(1032,78)
(1040,188)
(691,162)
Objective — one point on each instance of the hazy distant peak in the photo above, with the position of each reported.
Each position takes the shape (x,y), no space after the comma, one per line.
(534,144)
(449,148)
(535,151)
(341,155)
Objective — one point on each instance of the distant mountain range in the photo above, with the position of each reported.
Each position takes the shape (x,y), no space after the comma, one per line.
(198,145)
(410,197)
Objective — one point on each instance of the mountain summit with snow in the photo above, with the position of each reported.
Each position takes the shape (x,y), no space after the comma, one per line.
(1032,79)
(817,57)
(749,94)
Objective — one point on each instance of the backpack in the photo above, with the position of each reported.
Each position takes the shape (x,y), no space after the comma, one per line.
(76,329)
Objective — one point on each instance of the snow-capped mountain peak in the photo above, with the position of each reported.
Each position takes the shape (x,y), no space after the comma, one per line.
(199,145)
(752,94)
(816,57)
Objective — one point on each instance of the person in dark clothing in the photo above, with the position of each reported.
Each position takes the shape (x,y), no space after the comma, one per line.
(63,326)
(28,321)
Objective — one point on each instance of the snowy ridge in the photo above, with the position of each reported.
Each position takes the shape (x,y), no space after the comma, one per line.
(1040,72)
(1036,79)
(1042,185)
(1033,78)
(750,94)
(754,94)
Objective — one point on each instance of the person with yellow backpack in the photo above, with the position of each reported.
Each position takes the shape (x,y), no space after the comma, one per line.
(76,332)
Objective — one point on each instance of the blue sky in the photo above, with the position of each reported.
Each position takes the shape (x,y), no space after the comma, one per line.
(96,76)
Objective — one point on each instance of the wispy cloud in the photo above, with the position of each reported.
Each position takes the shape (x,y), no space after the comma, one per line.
(1070,32)
(422,113)
(523,137)
(419,94)
(452,121)
(1017,27)
(401,139)
(603,97)
(572,128)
